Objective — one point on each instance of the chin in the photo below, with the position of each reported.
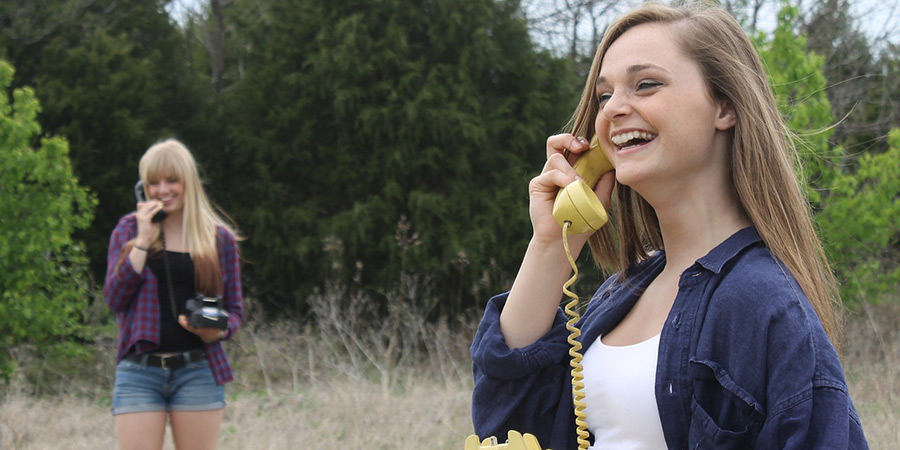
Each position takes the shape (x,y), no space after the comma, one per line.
(639,181)
(629,176)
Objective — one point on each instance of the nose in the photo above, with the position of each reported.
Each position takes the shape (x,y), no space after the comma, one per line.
(616,107)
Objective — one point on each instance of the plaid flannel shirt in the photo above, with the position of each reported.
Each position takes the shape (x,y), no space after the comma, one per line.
(133,298)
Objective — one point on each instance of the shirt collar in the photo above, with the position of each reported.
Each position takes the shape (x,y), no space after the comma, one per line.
(731,247)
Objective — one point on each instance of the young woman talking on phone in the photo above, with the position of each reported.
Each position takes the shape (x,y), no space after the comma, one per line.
(157,263)
(718,327)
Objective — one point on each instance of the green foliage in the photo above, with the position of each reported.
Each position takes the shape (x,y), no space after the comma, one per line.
(861,226)
(364,123)
(113,78)
(797,78)
(375,142)
(855,211)
(43,279)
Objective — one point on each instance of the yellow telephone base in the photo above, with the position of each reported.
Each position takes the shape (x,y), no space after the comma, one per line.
(515,441)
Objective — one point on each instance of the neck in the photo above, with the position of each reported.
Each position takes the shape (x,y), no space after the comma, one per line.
(173,219)
(695,224)
(172,227)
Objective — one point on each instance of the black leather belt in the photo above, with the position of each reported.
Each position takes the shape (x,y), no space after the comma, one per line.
(171,362)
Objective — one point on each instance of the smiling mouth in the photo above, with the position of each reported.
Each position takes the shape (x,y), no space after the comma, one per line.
(632,139)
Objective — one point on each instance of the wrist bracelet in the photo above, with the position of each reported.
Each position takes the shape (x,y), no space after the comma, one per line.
(140,248)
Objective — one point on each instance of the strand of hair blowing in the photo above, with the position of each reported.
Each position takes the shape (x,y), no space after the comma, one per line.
(765,166)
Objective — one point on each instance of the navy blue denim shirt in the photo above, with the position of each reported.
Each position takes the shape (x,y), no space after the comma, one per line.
(744,361)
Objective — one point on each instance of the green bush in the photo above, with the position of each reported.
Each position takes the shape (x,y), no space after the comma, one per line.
(43,271)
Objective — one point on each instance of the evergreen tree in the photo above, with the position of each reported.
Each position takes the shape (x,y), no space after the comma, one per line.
(886,93)
(406,131)
(849,67)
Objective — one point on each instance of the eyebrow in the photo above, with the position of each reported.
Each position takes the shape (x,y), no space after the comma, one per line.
(634,69)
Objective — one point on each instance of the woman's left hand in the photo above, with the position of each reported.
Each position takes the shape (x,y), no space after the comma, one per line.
(208,335)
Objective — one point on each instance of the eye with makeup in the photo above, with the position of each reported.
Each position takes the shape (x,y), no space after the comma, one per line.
(643,85)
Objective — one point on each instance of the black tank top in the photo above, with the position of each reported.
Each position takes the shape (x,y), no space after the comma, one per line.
(173,337)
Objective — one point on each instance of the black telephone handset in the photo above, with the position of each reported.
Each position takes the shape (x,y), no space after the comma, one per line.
(577,203)
(142,197)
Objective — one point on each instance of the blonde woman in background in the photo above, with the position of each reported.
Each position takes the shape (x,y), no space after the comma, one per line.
(167,369)
(719,327)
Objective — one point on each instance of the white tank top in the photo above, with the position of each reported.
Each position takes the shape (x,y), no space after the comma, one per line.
(620,396)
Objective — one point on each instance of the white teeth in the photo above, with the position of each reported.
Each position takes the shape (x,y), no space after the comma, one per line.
(621,139)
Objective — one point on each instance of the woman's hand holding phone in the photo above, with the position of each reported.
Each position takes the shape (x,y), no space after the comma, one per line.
(562,152)
(149,214)
(534,297)
(147,228)
(146,233)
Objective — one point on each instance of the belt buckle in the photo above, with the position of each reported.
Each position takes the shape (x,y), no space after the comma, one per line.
(162,361)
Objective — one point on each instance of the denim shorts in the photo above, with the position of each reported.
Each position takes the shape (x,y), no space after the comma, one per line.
(142,388)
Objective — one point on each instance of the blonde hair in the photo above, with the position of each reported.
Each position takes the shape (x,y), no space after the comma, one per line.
(171,159)
(763,158)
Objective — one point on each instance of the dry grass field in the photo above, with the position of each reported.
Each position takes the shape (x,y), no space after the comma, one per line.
(347,384)
(872,364)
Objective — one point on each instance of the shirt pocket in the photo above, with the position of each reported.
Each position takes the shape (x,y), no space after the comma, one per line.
(723,414)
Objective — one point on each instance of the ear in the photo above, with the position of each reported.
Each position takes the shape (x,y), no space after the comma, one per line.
(725,117)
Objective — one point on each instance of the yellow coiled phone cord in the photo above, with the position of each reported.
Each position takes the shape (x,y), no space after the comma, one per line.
(575,349)
(528,442)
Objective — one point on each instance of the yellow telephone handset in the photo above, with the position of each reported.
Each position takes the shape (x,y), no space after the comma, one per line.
(578,210)
(577,203)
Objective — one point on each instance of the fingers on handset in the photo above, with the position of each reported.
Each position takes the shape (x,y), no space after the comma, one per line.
(559,163)
(149,207)
(566,142)
(557,173)
(141,209)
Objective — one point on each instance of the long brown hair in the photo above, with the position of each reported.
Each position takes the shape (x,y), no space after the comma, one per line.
(763,157)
